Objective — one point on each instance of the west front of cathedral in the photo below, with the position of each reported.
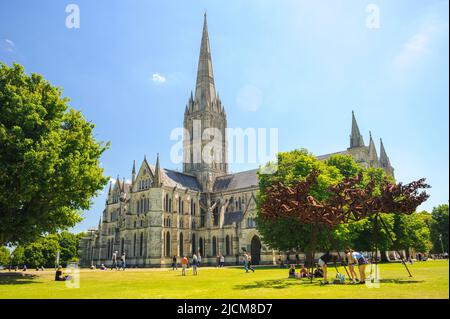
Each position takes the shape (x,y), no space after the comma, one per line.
(204,209)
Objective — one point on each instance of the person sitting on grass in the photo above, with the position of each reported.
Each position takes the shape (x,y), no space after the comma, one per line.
(292,271)
(318,273)
(59,275)
(303,272)
(103,267)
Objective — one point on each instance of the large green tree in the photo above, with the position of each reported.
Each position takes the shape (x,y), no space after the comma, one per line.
(43,251)
(69,244)
(439,228)
(289,233)
(411,232)
(49,159)
(5,257)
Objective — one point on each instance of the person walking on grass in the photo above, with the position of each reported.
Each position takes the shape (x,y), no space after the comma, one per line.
(174,263)
(362,263)
(222,260)
(248,263)
(184,263)
(124,264)
(194,264)
(114,260)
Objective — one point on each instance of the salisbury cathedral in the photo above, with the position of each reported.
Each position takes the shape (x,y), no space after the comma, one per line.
(203,209)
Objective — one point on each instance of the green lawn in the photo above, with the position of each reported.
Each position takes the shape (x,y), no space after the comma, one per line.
(431,280)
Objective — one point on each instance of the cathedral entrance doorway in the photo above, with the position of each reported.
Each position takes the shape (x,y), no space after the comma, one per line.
(255,250)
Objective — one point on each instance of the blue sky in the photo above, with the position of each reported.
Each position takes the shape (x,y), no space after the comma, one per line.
(304,65)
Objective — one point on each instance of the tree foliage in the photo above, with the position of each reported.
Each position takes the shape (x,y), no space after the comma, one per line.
(287,234)
(5,257)
(49,159)
(439,226)
(43,251)
(284,231)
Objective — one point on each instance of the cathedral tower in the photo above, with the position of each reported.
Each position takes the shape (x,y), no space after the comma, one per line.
(205,141)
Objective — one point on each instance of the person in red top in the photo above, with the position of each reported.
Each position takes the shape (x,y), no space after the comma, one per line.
(184,263)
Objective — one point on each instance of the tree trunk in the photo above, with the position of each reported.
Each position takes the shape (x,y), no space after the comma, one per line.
(312,247)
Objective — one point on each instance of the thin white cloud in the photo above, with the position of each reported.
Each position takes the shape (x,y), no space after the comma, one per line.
(419,45)
(414,49)
(8,45)
(158,78)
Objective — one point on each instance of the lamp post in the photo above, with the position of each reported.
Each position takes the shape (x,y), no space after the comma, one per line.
(442,245)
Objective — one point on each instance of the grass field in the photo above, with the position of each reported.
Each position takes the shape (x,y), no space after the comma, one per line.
(430,280)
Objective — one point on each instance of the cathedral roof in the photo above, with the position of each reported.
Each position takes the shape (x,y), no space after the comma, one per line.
(234,181)
(231,217)
(181,180)
(326,156)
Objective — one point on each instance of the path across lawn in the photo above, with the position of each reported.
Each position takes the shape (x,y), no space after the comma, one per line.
(431,280)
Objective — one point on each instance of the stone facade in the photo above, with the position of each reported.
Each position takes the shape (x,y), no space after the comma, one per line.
(165,213)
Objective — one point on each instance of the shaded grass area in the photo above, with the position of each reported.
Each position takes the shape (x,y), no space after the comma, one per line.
(431,280)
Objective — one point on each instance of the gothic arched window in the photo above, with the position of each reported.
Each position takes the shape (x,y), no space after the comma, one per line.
(168,244)
(202,217)
(214,246)
(181,245)
(134,244)
(216,216)
(227,246)
(141,244)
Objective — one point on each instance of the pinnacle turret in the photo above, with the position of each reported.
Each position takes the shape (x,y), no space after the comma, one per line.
(356,139)
(373,157)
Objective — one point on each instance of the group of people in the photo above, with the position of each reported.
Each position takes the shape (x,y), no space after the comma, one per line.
(352,258)
(115,264)
(305,273)
(185,264)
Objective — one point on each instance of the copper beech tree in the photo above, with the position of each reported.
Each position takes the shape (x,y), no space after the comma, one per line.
(347,201)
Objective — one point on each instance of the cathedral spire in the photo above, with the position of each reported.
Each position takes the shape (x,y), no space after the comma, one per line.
(385,163)
(384,159)
(373,157)
(204,88)
(356,139)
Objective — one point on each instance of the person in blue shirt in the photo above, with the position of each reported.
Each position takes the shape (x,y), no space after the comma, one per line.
(362,263)
(194,264)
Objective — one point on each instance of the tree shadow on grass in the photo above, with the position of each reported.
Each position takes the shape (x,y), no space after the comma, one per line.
(400,281)
(17,279)
(276,284)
